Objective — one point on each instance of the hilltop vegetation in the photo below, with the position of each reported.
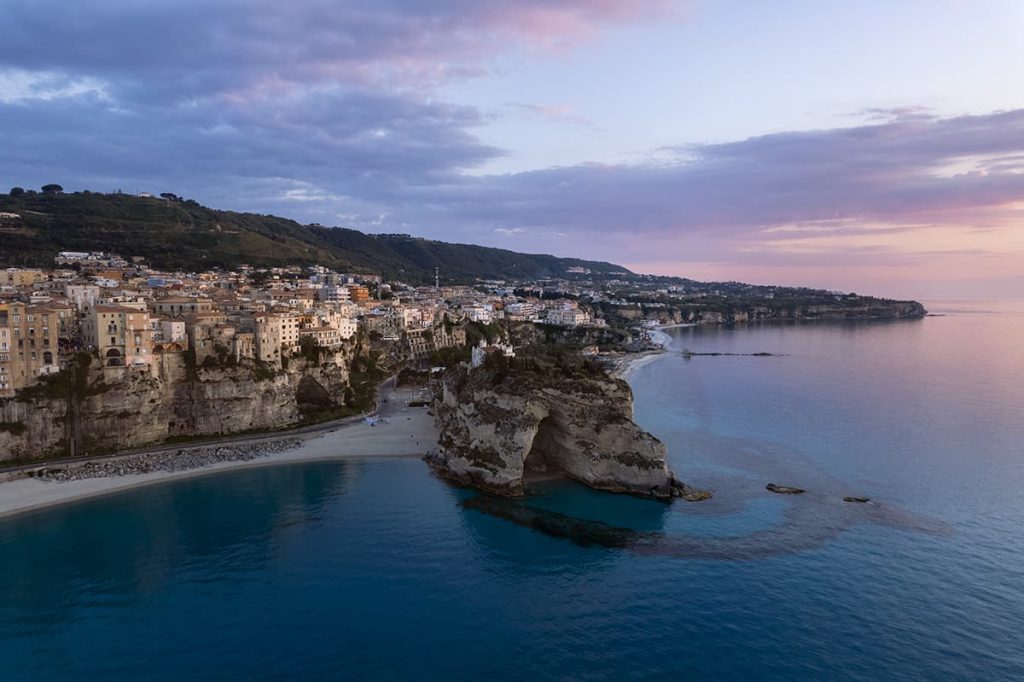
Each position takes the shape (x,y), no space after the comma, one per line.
(181,234)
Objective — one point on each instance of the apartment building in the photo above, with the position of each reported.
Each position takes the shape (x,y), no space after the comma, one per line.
(276,336)
(121,335)
(29,345)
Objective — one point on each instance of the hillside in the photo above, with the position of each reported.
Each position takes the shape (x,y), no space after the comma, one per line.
(185,235)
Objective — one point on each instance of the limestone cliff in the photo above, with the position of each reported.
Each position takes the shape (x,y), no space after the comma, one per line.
(499,426)
(115,408)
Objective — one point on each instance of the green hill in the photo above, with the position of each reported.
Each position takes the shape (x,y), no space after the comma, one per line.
(175,234)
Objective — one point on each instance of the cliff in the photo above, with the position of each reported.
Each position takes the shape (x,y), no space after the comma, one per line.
(97,409)
(499,426)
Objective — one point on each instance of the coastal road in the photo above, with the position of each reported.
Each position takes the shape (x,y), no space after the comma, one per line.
(384,408)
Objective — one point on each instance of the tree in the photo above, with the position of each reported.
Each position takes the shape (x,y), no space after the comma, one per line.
(52,189)
(17,191)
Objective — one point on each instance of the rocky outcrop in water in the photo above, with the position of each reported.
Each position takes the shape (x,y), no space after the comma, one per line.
(499,426)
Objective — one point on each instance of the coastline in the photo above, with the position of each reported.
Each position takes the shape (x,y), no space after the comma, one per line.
(403,432)
(625,367)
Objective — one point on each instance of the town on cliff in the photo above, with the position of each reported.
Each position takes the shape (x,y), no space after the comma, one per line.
(103,352)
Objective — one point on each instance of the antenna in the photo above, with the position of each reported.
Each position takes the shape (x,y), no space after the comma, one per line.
(437,278)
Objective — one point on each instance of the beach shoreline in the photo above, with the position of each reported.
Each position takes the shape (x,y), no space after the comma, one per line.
(402,431)
(625,367)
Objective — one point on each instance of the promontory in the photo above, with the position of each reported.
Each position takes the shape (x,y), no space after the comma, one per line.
(508,420)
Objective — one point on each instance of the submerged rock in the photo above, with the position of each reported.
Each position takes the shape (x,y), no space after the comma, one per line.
(784,489)
(499,426)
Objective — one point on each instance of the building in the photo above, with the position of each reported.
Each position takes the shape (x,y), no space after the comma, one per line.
(358,294)
(335,294)
(482,351)
(82,296)
(325,337)
(180,306)
(411,318)
(568,317)
(244,345)
(19,277)
(119,335)
(212,338)
(276,336)
(29,345)
(479,313)
(169,335)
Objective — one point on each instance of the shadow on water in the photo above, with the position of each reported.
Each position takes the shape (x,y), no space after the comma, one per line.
(809,522)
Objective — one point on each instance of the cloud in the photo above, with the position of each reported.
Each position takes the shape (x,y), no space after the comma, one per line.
(559,113)
(904,113)
(180,49)
(327,111)
(894,172)
(339,140)
(18,86)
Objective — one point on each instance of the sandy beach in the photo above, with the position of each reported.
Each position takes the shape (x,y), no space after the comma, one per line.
(630,365)
(627,366)
(401,431)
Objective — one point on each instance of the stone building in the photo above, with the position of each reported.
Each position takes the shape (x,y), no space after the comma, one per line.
(180,306)
(119,334)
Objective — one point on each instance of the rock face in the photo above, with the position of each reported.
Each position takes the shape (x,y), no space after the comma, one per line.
(127,407)
(496,428)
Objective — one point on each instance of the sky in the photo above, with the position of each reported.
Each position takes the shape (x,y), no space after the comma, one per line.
(869,146)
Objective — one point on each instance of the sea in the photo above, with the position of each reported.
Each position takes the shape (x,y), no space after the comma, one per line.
(375,569)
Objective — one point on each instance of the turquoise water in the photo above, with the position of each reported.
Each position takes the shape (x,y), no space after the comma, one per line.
(374,569)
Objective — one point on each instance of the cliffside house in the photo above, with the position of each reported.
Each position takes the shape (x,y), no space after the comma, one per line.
(120,335)
(29,345)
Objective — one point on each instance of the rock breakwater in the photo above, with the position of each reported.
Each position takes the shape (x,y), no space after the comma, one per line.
(169,461)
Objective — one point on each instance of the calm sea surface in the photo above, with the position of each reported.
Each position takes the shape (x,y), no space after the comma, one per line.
(374,569)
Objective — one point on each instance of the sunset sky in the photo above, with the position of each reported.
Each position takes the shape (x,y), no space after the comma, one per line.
(872,146)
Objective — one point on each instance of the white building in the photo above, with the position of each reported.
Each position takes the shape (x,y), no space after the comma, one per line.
(480,352)
(567,317)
